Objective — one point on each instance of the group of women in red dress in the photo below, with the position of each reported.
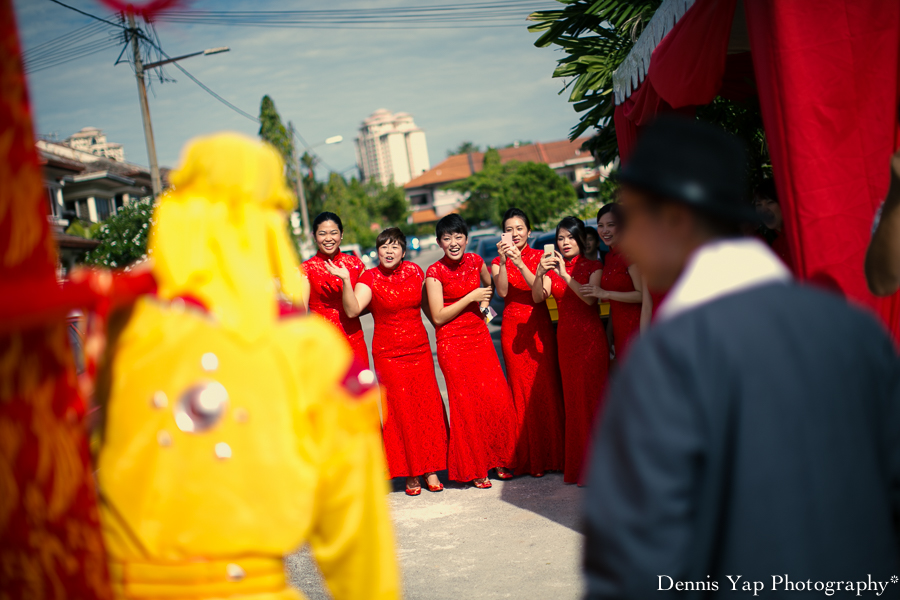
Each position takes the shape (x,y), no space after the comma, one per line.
(537,418)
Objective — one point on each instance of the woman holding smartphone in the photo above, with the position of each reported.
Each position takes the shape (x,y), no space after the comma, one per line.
(583,351)
(414,429)
(325,289)
(482,413)
(529,349)
(630,307)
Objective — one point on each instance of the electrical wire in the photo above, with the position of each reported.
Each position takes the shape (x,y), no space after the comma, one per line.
(452,16)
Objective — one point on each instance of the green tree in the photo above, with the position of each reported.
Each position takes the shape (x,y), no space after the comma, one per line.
(533,187)
(272,130)
(123,236)
(464,148)
(595,37)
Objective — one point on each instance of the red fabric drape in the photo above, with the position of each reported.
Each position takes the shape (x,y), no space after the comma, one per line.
(686,70)
(827,75)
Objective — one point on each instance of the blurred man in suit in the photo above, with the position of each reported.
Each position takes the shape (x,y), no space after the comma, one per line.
(753,431)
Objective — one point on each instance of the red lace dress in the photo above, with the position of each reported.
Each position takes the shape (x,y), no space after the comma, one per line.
(532,368)
(482,413)
(325,297)
(414,429)
(625,316)
(583,362)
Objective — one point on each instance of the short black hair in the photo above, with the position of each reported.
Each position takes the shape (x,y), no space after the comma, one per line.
(452,223)
(766,189)
(327,216)
(592,232)
(574,226)
(513,213)
(391,234)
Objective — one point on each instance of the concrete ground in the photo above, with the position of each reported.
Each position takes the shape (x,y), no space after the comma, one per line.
(518,539)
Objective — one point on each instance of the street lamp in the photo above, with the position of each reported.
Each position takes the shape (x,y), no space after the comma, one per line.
(139,68)
(301,193)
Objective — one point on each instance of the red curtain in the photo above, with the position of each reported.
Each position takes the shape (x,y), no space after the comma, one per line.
(827,78)
(827,74)
(686,70)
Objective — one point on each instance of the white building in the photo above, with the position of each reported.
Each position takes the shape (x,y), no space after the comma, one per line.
(93,141)
(391,148)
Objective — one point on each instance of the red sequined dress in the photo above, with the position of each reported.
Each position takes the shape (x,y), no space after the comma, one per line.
(532,368)
(414,429)
(625,316)
(482,413)
(583,362)
(325,297)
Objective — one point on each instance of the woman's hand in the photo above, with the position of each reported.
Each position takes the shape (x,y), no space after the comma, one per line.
(561,266)
(481,295)
(501,250)
(337,271)
(594,292)
(548,263)
(514,255)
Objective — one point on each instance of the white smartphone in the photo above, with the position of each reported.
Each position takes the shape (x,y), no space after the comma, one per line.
(549,249)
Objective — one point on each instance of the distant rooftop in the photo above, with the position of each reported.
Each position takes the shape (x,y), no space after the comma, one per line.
(461,166)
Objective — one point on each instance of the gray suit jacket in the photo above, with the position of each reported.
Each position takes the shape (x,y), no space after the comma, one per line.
(756,436)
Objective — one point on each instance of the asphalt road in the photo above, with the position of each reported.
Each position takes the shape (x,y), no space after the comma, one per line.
(518,539)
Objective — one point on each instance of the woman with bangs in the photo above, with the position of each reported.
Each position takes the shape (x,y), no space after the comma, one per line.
(583,350)
(482,412)
(325,289)
(414,426)
(529,349)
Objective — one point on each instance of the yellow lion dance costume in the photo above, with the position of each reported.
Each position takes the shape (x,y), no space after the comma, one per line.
(234,436)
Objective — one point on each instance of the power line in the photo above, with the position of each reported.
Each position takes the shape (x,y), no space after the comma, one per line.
(78,10)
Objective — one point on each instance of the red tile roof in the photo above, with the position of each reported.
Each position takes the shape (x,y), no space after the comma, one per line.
(461,166)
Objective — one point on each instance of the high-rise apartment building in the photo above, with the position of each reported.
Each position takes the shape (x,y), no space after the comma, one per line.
(391,148)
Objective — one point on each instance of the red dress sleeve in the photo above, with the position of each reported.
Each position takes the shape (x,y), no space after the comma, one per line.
(367,278)
(436,272)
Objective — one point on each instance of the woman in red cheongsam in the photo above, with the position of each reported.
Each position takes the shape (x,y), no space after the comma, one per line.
(529,349)
(482,413)
(325,289)
(414,429)
(583,352)
(621,284)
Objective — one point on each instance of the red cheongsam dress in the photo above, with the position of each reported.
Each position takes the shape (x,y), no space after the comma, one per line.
(532,368)
(482,413)
(583,362)
(414,429)
(625,316)
(325,297)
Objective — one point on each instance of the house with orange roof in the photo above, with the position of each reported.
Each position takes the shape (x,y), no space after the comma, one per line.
(429,201)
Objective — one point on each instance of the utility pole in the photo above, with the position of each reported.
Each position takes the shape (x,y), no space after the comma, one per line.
(155,181)
(301,193)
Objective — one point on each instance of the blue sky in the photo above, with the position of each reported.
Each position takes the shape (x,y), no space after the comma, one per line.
(490,85)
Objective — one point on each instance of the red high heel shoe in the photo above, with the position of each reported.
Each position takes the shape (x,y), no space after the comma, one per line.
(504,473)
(482,484)
(413,491)
(433,488)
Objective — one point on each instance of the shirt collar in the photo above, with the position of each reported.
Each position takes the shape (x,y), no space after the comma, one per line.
(719,269)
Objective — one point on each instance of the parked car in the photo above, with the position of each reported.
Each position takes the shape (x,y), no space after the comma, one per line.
(370,257)
(428,242)
(487,250)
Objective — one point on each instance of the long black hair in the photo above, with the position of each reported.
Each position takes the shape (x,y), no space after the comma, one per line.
(574,226)
(612,207)
(512,213)
(327,216)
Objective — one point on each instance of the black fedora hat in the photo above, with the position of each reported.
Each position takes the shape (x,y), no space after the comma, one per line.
(694,163)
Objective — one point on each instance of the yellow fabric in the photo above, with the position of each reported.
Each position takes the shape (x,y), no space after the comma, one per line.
(220,234)
(306,463)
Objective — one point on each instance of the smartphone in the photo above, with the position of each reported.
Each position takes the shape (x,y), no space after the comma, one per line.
(506,238)
(549,249)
